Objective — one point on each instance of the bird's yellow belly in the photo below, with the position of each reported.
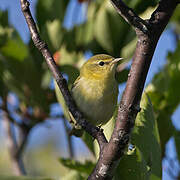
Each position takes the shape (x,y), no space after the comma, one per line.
(97,104)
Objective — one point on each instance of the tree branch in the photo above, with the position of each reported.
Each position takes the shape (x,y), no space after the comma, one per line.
(61,82)
(9,116)
(130,16)
(12,147)
(129,105)
(15,151)
(24,134)
(148,34)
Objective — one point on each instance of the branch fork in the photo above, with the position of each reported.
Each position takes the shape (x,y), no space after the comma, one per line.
(148,33)
(61,82)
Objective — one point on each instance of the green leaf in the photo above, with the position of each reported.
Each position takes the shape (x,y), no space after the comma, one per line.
(132,166)
(48,10)
(85,167)
(70,58)
(50,16)
(26,85)
(102,29)
(146,137)
(89,141)
(84,33)
(15,49)
(11,44)
(55,33)
(73,175)
(143,161)
(165,96)
(109,31)
(22,72)
(4,18)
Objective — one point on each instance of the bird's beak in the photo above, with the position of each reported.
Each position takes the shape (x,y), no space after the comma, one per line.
(114,61)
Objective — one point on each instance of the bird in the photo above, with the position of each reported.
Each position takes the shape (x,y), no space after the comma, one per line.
(95,91)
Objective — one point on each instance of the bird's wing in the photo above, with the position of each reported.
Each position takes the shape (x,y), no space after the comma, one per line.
(75,83)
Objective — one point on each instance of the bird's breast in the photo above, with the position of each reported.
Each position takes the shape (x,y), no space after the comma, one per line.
(96,99)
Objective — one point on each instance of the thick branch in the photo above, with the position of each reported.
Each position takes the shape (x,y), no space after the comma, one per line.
(129,105)
(130,16)
(62,84)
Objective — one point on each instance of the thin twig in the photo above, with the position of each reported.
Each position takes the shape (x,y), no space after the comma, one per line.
(24,134)
(11,147)
(17,163)
(62,84)
(9,117)
(130,16)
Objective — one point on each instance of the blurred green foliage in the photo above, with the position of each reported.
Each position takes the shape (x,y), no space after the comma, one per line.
(22,178)
(24,72)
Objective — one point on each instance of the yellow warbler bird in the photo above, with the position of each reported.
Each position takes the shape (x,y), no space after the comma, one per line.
(95,91)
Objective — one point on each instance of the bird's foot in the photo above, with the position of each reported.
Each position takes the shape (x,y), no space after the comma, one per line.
(99,128)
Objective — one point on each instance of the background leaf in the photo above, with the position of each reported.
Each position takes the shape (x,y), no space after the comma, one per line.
(3,177)
(85,167)
(143,158)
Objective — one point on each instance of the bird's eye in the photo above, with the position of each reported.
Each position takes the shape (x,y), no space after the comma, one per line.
(101,63)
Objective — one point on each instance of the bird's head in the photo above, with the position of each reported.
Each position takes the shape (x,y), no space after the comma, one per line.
(100,66)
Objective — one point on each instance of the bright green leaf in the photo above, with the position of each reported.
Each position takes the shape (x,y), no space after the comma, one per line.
(55,33)
(70,58)
(84,33)
(15,49)
(132,166)
(143,161)
(146,137)
(102,29)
